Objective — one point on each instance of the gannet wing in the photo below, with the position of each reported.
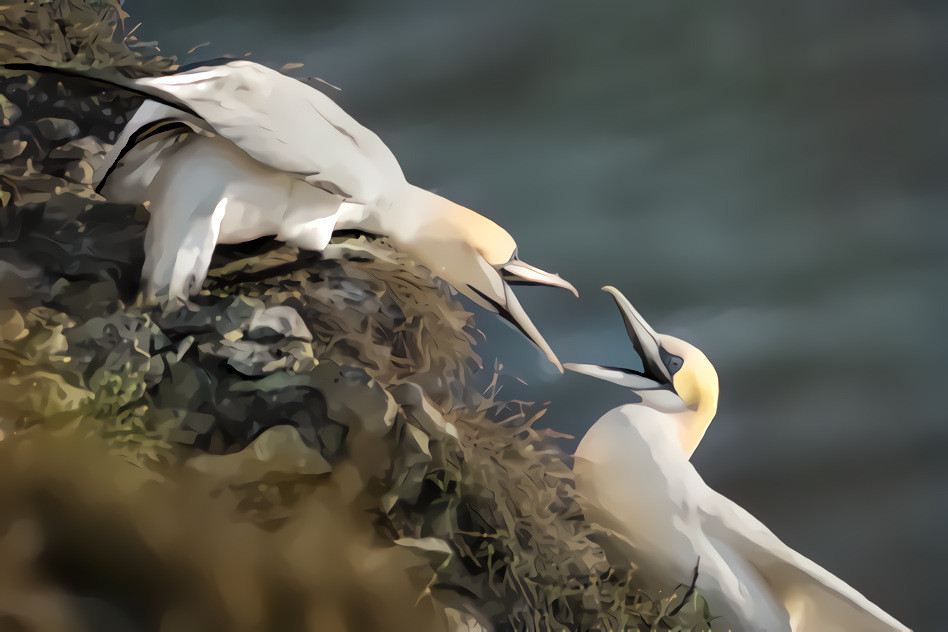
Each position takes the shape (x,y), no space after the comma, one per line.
(285,124)
(150,119)
(816,600)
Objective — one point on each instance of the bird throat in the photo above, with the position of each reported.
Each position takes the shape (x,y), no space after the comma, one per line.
(693,423)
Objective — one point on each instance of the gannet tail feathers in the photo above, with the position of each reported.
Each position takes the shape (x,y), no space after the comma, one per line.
(816,600)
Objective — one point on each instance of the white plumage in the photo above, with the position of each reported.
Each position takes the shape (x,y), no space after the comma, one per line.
(237,151)
(633,475)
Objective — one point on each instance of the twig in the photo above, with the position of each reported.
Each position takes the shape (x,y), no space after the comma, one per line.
(691,590)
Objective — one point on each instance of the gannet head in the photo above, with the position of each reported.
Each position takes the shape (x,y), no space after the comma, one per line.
(667,361)
(476,257)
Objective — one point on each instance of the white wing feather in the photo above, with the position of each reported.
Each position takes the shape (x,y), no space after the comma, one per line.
(285,124)
(635,480)
(817,600)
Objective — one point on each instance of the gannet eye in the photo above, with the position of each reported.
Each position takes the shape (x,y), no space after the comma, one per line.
(672,362)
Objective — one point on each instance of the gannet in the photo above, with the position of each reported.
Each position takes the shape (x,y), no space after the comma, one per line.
(633,475)
(236,151)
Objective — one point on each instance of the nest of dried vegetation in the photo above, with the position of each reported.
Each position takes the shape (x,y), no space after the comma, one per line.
(297,448)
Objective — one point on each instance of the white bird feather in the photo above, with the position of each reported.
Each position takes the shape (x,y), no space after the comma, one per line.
(633,475)
(268,155)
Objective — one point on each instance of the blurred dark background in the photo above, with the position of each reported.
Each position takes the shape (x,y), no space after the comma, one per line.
(765,180)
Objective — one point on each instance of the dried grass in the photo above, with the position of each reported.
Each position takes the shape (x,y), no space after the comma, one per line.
(303,428)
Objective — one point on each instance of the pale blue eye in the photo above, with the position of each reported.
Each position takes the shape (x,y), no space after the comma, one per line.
(671,362)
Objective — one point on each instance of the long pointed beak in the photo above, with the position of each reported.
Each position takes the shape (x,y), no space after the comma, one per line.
(516,272)
(486,288)
(622,377)
(644,338)
(515,314)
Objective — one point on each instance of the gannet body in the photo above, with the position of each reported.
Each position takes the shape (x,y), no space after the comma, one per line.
(236,151)
(633,475)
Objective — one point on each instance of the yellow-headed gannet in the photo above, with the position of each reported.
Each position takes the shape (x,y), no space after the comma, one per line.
(270,155)
(633,476)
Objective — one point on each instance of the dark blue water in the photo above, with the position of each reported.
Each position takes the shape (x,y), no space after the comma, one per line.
(765,180)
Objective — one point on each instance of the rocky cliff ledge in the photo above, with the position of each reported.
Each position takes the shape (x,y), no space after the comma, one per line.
(298,447)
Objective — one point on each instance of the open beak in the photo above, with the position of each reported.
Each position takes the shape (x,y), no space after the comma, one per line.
(488,289)
(643,337)
(514,313)
(516,272)
(645,340)
(623,377)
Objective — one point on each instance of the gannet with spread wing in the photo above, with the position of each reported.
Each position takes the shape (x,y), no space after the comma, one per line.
(231,152)
(633,475)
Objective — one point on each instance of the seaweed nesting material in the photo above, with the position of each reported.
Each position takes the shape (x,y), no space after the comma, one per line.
(289,375)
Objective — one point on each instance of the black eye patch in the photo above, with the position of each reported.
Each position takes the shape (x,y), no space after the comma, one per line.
(671,361)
